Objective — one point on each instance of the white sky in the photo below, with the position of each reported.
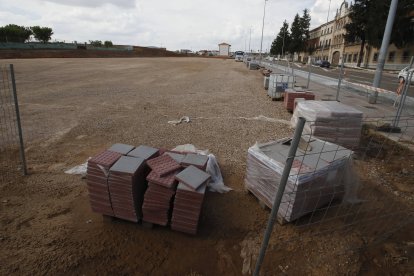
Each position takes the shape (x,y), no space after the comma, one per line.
(175,24)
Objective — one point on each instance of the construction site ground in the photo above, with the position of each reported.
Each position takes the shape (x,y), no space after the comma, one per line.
(72,109)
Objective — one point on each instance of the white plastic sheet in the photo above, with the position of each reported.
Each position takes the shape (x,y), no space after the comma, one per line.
(216,183)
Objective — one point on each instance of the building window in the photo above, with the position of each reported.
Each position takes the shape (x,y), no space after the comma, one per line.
(405,56)
(355,58)
(375,58)
(329,42)
(391,56)
(349,57)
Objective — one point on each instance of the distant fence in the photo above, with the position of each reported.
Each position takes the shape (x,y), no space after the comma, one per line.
(13,45)
(59,46)
(319,193)
(12,156)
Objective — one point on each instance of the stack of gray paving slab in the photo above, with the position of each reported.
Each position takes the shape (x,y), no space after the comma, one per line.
(117,183)
(316,178)
(127,185)
(330,121)
(97,181)
(197,160)
(144,152)
(189,199)
(121,148)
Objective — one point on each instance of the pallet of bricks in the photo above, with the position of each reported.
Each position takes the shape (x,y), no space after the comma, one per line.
(277,85)
(330,121)
(317,176)
(292,94)
(145,184)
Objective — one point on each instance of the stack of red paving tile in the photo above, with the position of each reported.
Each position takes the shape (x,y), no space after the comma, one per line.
(97,171)
(127,185)
(291,95)
(189,199)
(161,189)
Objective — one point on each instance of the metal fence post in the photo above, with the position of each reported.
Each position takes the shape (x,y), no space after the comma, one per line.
(402,100)
(309,72)
(340,79)
(278,198)
(403,94)
(19,126)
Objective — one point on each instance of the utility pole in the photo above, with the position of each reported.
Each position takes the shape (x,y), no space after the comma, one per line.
(383,51)
(327,20)
(250,39)
(261,41)
(283,42)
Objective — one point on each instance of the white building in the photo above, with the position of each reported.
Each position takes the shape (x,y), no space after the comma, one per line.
(224,49)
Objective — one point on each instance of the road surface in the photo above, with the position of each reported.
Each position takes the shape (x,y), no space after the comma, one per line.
(389,81)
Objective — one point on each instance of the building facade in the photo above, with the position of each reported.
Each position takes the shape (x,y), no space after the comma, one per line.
(327,42)
(224,49)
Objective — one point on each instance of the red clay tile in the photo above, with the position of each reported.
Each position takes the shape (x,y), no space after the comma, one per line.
(163,165)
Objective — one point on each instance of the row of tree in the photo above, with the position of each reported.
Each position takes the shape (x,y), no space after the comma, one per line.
(367,25)
(294,40)
(368,20)
(15,33)
(98,43)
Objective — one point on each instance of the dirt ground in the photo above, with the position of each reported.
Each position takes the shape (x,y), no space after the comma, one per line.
(72,109)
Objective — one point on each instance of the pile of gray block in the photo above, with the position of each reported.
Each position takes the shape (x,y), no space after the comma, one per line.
(316,179)
(149,185)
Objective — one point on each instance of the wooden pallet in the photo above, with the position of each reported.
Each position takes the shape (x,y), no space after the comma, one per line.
(281,220)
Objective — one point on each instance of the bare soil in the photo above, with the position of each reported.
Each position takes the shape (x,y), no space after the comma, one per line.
(74,108)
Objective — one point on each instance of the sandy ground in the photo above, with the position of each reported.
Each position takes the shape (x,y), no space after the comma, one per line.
(74,108)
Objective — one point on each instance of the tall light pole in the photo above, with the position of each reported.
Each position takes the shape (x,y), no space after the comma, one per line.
(327,20)
(261,41)
(383,51)
(250,39)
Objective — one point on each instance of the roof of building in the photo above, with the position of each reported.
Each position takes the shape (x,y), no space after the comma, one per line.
(224,43)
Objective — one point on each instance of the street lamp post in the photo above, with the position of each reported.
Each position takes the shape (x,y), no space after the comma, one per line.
(383,51)
(261,41)
(250,39)
(327,20)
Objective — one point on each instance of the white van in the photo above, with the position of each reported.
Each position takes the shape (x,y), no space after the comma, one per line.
(238,55)
(404,72)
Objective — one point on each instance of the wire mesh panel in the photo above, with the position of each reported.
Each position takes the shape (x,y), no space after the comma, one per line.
(362,192)
(12,158)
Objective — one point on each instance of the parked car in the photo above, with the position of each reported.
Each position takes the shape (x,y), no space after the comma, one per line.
(325,63)
(317,62)
(404,72)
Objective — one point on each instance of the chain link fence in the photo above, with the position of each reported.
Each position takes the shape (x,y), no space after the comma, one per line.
(325,183)
(12,156)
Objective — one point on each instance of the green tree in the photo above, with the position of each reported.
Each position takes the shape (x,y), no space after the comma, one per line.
(295,44)
(299,32)
(14,33)
(368,20)
(281,42)
(95,43)
(108,43)
(42,34)
(356,29)
(305,25)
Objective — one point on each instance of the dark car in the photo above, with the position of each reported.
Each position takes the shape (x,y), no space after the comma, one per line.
(325,63)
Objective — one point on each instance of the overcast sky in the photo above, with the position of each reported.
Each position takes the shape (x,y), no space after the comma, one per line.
(174,24)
